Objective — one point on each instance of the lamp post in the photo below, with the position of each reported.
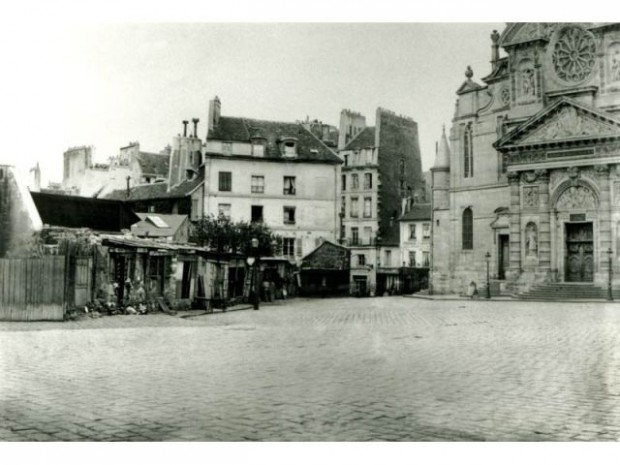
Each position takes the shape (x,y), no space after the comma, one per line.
(487,256)
(255,273)
(609,291)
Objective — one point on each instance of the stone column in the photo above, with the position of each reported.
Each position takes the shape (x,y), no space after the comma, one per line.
(604,220)
(515,226)
(544,224)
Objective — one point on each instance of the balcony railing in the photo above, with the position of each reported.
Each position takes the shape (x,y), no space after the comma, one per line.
(351,242)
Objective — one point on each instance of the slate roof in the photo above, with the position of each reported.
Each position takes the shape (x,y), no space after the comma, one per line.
(71,211)
(327,256)
(309,147)
(153,163)
(363,140)
(157,190)
(146,191)
(418,212)
(390,234)
(146,228)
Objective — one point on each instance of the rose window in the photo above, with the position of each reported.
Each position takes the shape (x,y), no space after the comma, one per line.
(574,54)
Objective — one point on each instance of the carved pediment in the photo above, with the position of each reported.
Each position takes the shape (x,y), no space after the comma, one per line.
(562,121)
(567,123)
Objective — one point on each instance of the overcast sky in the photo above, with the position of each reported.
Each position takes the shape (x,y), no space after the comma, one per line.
(108,84)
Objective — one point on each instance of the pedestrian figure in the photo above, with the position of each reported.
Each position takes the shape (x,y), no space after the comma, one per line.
(140,294)
(266,291)
(472,290)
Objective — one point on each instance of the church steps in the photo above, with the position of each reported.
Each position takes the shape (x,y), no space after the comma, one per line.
(567,291)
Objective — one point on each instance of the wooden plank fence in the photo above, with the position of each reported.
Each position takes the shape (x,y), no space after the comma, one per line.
(32,288)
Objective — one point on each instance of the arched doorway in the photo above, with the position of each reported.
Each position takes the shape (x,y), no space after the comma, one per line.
(576,206)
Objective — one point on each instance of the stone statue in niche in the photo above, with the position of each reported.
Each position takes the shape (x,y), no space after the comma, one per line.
(614,65)
(617,192)
(531,240)
(576,197)
(528,83)
(530,197)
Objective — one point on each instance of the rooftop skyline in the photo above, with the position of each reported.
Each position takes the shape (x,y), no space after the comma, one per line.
(108,84)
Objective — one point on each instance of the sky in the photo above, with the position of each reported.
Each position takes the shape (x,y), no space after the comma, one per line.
(109,73)
(106,84)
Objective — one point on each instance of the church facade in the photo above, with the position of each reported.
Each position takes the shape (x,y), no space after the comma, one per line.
(527,183)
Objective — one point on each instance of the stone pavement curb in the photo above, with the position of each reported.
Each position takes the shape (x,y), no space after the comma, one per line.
(506,299)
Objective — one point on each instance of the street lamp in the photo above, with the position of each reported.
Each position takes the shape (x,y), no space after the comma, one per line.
(255,273)
(487,256)
(609,291)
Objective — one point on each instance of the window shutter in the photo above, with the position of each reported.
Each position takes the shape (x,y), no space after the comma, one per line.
(298,247)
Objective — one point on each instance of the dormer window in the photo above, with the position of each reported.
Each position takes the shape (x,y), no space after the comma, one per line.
(258,149)
(289,146)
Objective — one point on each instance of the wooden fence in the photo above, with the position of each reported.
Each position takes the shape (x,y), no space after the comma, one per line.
(32,288)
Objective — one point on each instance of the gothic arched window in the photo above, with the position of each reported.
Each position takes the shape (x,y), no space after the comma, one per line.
(468,153)
(468,229)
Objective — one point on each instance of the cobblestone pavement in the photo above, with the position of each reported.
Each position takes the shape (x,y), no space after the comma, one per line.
(379,369)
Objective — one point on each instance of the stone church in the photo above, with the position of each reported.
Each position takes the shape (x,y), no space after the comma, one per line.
(527,182)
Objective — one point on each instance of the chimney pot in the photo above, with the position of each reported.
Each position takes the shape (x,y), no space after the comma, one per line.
(185,123)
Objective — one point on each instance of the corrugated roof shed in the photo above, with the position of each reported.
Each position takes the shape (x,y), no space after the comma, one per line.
(149,226)
(83,212)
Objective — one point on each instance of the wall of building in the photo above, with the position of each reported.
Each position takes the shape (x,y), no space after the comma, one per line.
(416,246)
(400,167)
(360,163)
(314,200)
(84,178)
(529,82)
(77,160)
(19,218)
(351,124)
(186,154)
(366,271)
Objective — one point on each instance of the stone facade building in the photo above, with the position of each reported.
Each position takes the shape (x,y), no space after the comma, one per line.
(278,173)
(531,175)
(415,236)
(19,218)
(380,177)
(131,166)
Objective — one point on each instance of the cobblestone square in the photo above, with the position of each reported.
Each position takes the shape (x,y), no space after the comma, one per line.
(382,369)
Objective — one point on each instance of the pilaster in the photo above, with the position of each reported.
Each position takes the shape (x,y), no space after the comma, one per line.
(544,225)
(605,233)
(515,225)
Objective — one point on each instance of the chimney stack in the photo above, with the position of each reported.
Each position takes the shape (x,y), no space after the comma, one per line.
(185,123)
(215,110)
(195,121)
